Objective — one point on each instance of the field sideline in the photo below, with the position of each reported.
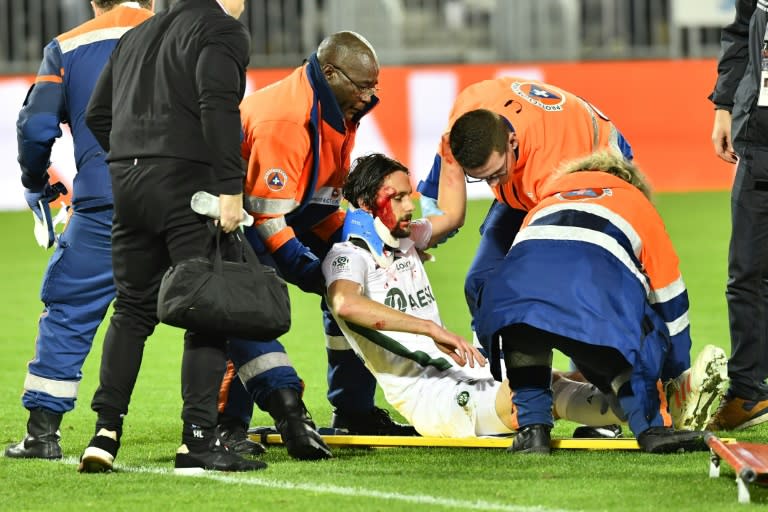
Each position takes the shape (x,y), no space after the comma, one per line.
(393,479)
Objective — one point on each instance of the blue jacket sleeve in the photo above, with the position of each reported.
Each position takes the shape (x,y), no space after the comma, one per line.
(300,266)
(674,312)
(430,185)
(38,125)
(625,147)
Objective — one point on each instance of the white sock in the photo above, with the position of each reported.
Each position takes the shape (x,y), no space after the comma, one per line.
(583,403)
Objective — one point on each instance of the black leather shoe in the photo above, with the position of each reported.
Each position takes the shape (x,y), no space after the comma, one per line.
(669,440)
(532,439)
(376,422)
(235,437)
(296,427)
(216,457)
(42,439)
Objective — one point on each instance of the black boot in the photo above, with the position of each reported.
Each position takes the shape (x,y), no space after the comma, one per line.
(376,422)
(234,433)
(296,426)
(42,439)
(532,439)
(669,440)
(203,449)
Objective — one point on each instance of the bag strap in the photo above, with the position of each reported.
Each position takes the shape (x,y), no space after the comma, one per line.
(218,265)
(247,251)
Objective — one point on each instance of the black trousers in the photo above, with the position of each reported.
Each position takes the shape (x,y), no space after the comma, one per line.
(599,365)
(154,227)
(747,289)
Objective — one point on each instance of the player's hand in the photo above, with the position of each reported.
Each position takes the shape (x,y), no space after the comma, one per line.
(721,136)
(457,348)
(424,256)
(230,211)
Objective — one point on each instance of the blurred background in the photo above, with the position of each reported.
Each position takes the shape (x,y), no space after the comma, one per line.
(648,64)
(424,31)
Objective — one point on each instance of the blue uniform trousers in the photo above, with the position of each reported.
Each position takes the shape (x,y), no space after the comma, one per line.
(76,290)
(497,232)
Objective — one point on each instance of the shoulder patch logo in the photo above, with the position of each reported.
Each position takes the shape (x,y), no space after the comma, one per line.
(275,179)
(340,264)
(548,98)
(583,194)
(395,299)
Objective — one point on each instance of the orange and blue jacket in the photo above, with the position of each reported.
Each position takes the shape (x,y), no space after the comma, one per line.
(552,126)
(593,262)
(298,145)
(68,73)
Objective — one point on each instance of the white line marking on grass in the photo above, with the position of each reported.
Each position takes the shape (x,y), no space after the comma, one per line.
(420,499)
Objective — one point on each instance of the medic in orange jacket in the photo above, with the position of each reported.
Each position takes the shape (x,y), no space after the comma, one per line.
(552,126)
(297,144)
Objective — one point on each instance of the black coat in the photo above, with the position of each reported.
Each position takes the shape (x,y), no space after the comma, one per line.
(738,73)
(172,89)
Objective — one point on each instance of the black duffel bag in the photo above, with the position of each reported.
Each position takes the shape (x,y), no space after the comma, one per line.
(241,298)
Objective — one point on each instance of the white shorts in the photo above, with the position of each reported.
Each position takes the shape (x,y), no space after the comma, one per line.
(442,406)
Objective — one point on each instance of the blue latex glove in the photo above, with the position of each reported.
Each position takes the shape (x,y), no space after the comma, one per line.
(47,194)
(429,208)
(300,266)
(39,202)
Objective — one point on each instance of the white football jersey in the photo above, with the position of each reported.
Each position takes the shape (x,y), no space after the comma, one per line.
(437,396)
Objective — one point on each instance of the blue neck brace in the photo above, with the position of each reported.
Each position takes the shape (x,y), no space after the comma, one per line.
(361,225)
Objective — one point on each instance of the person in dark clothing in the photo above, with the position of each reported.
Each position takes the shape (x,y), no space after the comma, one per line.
(166,110)
(740,134)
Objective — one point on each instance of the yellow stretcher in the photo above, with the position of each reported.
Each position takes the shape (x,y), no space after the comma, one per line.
(268,436)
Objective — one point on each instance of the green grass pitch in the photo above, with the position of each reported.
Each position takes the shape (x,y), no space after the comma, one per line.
(393,479)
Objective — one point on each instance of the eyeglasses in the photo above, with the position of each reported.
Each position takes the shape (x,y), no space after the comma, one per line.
(363,91)
(493,177)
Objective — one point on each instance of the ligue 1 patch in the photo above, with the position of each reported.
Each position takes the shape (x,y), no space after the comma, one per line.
(275,179)
(546,97)
(584,194)
(340,264)
(462,398)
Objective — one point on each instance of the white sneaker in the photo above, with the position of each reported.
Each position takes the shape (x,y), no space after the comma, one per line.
(99,455)
(691,395)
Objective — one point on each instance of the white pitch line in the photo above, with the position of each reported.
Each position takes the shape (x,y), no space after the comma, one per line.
(420,499)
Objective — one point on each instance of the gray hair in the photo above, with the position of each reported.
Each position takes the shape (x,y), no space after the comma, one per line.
(611,163)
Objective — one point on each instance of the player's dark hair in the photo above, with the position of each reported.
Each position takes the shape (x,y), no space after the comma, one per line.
(475,135)
(365,179)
